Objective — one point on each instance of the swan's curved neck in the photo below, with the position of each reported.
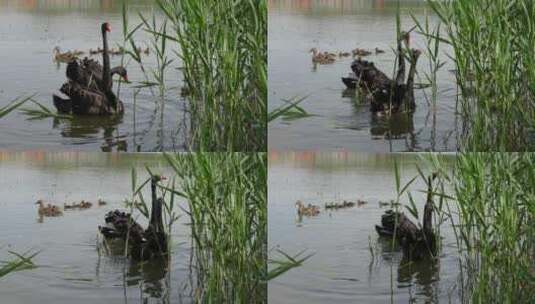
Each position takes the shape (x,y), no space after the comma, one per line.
(106,75)
(153,190)
(400,78)
(428,209)
(412,71)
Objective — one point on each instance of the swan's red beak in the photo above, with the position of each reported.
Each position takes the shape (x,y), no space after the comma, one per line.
(125,77)
(108,27)
(163,177)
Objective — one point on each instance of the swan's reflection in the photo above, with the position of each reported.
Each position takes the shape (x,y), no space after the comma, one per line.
(424,273)
(152,275)
(395,126)
(94,127)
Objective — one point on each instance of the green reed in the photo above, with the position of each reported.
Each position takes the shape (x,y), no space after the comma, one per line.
(493,44)
(496,206)
(19,263)
(222,46)
(13,105)
(226,202)
(290,110)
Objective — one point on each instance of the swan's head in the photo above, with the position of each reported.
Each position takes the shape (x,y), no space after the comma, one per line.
(123,73)
(106,27)
(415,54)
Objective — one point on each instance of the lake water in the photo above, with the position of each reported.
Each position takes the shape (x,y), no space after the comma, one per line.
(30,30)
(339,122)
(342,268)
(70,268)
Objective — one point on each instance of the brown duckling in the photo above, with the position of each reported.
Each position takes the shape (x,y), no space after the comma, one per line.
(49,210)
(378,51)
(310,210)
(384,204)
(344,204)
(95,52)
(63,57)
(344,54)
(322,58)
(85,205)
(101,202)
(360,203)
(361,52)
(143,51)
(67,206)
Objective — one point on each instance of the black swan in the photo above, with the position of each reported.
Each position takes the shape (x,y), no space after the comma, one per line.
(89,85)
(383,92)
(416,243)
(143,244)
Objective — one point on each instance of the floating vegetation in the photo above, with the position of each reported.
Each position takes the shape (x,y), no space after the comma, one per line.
(289,111)
(20,263)
(42,112)
(13,105)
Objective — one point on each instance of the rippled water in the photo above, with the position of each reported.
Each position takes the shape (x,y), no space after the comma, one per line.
(29,31)
(340,122)
(342,268)
(70,268)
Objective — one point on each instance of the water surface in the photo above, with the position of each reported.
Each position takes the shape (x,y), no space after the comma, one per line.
(342,268)
(340,122)
(71,269)
(29,31)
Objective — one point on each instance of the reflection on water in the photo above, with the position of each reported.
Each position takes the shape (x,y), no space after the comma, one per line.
(30,30)
(341,120)
(350,263)
(100,128)
(72,265)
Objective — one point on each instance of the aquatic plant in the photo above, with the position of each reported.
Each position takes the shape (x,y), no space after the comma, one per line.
(13,105)
(222,46)
(20,263)
(496,209)
(42,112)
(493,43)
(432,51)
(226,202)
(289,111)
